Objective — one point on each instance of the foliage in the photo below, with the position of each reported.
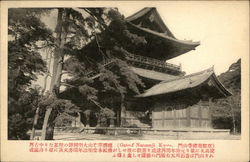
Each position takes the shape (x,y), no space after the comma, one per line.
(17,127)
(232,77)
(109,44)
(21,113)
(104,55)
(227,112)
(65,109)
(105,115)
(88,40)
(59,105)
(27,35)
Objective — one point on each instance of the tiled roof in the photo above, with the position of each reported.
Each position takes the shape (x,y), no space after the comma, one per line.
(175,45)
(186,82)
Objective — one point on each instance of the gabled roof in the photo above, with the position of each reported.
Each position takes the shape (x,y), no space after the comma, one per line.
(147,22)
(187,82)
(150,10)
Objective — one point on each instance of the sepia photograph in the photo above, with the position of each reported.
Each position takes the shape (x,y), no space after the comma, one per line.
(167,72)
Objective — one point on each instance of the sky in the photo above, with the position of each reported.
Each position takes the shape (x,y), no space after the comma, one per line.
(220,27)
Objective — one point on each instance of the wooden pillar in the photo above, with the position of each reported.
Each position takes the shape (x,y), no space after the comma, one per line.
(174,117)
(153,117)
(123,115)
(188,117)
(163,116)
(122,110)
(209,112)
(199,113)
(111,124)
(112,119)
(87,121)
(118,115)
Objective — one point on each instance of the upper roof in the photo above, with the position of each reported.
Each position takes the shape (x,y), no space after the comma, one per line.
(153,15)
(147,22)
(187,82)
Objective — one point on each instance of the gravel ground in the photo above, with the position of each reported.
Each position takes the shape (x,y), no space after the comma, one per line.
(78,136)
(92,136)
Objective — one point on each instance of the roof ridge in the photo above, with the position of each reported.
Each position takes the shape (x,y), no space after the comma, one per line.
(211,69)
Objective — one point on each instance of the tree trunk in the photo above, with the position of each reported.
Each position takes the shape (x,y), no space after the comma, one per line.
(48,71)
(34,124)
(233,118)
(111,120)
(48,125)
(45,123)
(42,92)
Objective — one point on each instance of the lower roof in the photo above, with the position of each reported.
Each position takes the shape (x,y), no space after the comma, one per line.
(186,82)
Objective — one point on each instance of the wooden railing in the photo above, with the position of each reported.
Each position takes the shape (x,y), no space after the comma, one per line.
(152,61)
(139,59)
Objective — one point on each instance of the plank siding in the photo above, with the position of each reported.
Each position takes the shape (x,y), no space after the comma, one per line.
(181,116)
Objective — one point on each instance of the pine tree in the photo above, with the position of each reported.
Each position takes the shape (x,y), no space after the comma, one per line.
(27,35)
(102,30)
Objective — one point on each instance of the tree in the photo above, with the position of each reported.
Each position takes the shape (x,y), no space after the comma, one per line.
(227,112)
(104,30)
(104,56)
(21,114)
(27,35)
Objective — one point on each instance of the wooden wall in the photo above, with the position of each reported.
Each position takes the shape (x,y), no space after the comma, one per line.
(179,115)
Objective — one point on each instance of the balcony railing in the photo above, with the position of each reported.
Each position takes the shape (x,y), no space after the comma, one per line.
(153,62)
(141,60)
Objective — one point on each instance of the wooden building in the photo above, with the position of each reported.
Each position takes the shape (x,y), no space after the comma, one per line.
(185,102)
(172,100)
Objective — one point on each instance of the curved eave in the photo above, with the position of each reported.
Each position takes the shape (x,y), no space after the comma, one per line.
(162,35)
(180,45)
(224,90)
